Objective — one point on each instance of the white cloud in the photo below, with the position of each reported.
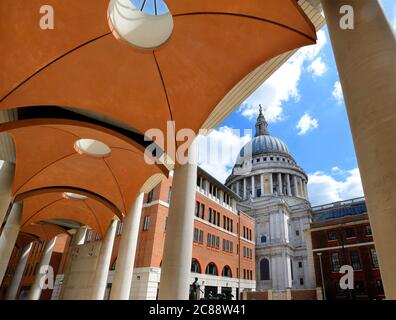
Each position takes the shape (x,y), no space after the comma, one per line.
(318,67)
(282,86)
(337,92)
(306,124)
(323,188)
(217,151)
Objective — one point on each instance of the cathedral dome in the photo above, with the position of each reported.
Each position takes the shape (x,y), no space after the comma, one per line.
(263,143)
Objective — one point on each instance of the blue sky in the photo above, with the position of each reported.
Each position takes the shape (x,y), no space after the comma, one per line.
(304,105)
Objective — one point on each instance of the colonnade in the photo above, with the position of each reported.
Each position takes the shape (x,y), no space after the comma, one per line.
(271,183)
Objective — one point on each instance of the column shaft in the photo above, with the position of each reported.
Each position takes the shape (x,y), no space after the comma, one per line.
(9,236)
(366,61)
(39,279)
(295,186)
(103,264)
(16,280)
(271,184)
(253,192)
(289,193)
(177,256)
(280,186)
(123,274)
(244,189)
(262,184)
(6,177)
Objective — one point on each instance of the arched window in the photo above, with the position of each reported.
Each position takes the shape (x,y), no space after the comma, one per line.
(195,267)
(226,272)
(263,239)
(264,269)
(211,269)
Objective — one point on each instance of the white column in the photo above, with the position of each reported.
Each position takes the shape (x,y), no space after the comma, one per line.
(16,280)
(122,279)
(103,264)
(78,239)
(6,177)
(237,187)
(271,184)
(295,187)
(311,278)
(262,184)
(289,193)
(280,186)
(253,187)
(244,189)
(177,256)
(8,237)
(40,277)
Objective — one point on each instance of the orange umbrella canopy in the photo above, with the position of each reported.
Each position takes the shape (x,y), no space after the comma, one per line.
(80,64)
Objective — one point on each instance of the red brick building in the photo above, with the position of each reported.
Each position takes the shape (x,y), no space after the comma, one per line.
(341,235)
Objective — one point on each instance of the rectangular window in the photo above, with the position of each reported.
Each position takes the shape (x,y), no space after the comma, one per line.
(224,222)
(331,236)
(89,235)
(297,233)
(374,258)
(350,233)
(150,196)
(195,235)
(232,227)
(169,194)
(355,260)
(368,230)
(202,211)
(146,223)
(209,242)
(300,264)
(231,246)
(210,215)
(217,242)
(301,281)
(201,235)
(197,207)
(218,219)
(335,262)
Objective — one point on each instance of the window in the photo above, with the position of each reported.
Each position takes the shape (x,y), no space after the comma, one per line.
(119,228)
(196,232)
(89,235)
(300,264)
(218,219)
(209,241)
(350,233)
(166,224)
(264,269)
(368,230)
(226,272)
(374,258)
(211,269)
(331,236)
(359,288)
(197,207)
(201,235)
(195,267)
(150,196)
(263,239)
(169,194)
(297,233)
(146,223)
(97,237)
(355,260)
(335,262)
(202,211)
(301,281)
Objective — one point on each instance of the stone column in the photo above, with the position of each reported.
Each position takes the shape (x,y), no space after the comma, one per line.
(176,263)
(253,187)
(103,264)
(366,61)
(262,184)
(78,239)
(289,193)
(16,280)
(271,183)
(280,186)
(311,279)
(6,178)
(122,279)
(8,237)
(244,189)
(295,187)
(39,278)
(237,187)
